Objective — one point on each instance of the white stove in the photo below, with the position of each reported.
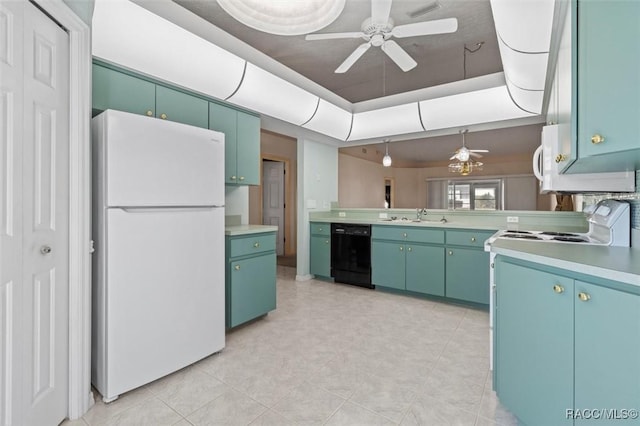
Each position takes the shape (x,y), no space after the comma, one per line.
(609,225)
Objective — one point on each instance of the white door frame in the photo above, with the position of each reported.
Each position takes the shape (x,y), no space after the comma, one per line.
(80,395)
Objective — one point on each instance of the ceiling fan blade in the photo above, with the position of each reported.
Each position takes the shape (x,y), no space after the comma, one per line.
(330,36)
(473,154)
(398,55)
(351,59)
(440,26)
(479,150)
(454,156)
(380,11)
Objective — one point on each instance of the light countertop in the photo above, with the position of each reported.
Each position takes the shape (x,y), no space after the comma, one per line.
(248,229)
(620,264)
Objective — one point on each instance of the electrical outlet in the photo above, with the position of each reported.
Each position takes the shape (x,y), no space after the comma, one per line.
(512,219)
(342,214)
(382,216)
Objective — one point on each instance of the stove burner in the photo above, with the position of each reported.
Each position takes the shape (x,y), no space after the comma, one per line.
(570,239)
(560,234)
(522,236)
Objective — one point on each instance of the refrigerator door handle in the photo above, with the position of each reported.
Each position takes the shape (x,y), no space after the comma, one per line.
(166,209)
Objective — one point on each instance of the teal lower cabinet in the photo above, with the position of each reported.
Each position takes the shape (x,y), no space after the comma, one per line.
(320,249)
(567,351)
(467,275)
(388,267)
(321,256)
(607,348)
(250,277)
(413,267)
(534,351)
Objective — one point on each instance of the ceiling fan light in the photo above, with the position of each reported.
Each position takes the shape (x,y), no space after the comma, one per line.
(464,154)
(284,17)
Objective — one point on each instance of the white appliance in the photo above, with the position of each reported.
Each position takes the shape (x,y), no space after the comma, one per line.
(547,160)
(158,267)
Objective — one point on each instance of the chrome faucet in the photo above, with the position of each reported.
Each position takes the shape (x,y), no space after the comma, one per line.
(420,213)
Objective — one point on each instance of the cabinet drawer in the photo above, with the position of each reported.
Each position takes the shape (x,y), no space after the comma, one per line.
(319,228)
(468,238)
(250,244)
(408,233)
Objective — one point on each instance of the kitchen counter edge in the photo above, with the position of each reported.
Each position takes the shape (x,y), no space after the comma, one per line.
(620,264)
(236,230)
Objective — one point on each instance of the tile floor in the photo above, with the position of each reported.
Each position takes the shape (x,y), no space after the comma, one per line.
(330,354)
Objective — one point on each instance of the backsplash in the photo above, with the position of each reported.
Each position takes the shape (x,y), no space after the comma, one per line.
(632,198)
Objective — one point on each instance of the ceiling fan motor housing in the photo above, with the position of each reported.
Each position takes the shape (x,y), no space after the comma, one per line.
(377,33)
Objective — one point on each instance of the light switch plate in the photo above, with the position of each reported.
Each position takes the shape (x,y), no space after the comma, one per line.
(342,214)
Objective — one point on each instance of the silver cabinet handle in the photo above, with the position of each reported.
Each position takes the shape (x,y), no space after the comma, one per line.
(256,245)
(237,267)
(45,249)
(408,248)
(326,241)
(473,239)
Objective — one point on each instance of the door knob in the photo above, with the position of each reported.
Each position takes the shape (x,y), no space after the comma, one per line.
(596,139)
(45,249)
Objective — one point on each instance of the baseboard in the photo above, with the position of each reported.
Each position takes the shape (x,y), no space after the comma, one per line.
(304,277)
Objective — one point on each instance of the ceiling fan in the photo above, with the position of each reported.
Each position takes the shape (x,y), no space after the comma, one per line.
(463,153)
(377,31)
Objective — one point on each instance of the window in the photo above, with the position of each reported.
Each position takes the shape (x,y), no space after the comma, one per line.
(475,194)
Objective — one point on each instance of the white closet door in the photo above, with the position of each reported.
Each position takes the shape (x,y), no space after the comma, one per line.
(34,285)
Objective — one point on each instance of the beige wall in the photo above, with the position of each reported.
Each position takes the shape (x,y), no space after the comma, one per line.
(361,182)
(278,147)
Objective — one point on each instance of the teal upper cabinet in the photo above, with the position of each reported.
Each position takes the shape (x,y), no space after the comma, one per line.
(113,89)
(242,143)
(178,106)
(116,90)
(608,86)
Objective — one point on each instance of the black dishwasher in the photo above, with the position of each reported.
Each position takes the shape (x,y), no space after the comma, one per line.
(351,254)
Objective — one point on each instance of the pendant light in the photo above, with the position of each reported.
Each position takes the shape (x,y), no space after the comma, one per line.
(386,160)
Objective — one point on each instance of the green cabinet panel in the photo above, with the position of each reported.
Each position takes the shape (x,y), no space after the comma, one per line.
(534,350)
(252,288)
(608,78)
(248,149)
(252,244)
(388,264)
(407,233)
(178,106)
(320,256)
(242,143)
(607,348)
(473,238)
(116,90)
(250,276)
(425,269)
(225,120)
(467,272)
(320,228)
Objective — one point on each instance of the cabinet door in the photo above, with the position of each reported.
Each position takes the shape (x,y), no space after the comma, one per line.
(607,348)
(252,288)
(116,90)
(321,255)
(425,269)
(467,275)
(177,106)
(534,350)
(225,120)
(388,264)
(608,77)
(248,149)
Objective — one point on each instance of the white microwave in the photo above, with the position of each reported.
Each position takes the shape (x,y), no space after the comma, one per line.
(546,169)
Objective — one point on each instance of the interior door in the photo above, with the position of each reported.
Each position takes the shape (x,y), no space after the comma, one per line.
(34,284)
(273,199)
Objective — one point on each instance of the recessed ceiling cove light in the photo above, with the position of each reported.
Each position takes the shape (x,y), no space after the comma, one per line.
(284,17)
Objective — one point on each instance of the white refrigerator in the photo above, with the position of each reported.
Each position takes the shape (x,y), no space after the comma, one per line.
(158,265)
